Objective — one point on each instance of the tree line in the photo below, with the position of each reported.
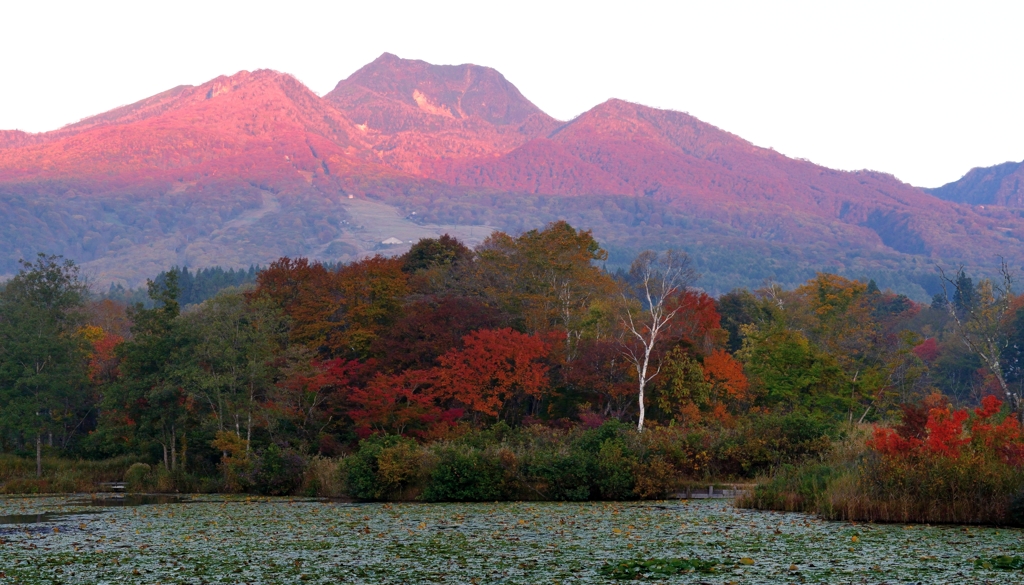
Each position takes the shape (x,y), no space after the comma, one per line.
(445,340)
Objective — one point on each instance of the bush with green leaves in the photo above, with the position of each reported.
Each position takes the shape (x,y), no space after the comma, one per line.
(275,471)
(614,464)
(138,478)
(464,474)
(384,468)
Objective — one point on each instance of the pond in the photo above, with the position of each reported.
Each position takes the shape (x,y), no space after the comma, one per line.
(280,540)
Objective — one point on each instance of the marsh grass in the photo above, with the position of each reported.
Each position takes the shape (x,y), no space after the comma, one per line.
(855,483)
(934,490)
(323,478)
(18,474)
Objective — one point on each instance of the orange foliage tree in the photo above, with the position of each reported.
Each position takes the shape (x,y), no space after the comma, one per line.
(494,367)
(307,294)
(727,384)
(336,313)
(371,293)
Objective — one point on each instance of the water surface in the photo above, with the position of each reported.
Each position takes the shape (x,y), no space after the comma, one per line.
(282,540)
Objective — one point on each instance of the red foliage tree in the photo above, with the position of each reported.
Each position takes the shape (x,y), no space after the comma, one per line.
(494,366)
(103,362)
(400,404)
(698,321)
(927,350)
(428,329)
(312,398)
(946,432)
(945,435)
(602,377)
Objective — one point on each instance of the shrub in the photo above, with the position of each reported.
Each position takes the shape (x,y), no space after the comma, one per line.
(464,474)
(384,468)
(655,478)
(18,475)
(965,490)
(1015,515)
(614,477)
(163,480)
(560,475)
(138,477)
(965,469)
(275,472)
(26,486)
(950,467)
(793,488)
(762,443)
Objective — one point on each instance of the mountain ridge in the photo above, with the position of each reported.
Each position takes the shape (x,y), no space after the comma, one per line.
(257,164)
(1001,185)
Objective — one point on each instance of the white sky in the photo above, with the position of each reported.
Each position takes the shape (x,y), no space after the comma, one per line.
(923,90)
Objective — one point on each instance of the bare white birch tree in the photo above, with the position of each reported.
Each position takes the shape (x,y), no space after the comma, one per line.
(978,321)
(656,280)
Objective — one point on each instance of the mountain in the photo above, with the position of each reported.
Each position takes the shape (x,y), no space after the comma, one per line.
(1001,185)
(674,159)
(11,138)
(239,170)
(412,111)
(246,168)
(262,120)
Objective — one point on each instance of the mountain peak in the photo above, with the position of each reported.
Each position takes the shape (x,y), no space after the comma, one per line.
(461,92)
(415,112)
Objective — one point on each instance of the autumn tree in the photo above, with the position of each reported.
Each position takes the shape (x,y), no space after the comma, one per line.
(789,371)
(546,279)
(431,253)
(494,367)
(601,378)
(336,313)
(371,294)
(312,399)
(655,281)
(979,316)
(737,308)
(859,328)
(709,386)
(429,328)
(406,403)
(308,294)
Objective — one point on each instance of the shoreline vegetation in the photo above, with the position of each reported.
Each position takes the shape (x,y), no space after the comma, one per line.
(519,371)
